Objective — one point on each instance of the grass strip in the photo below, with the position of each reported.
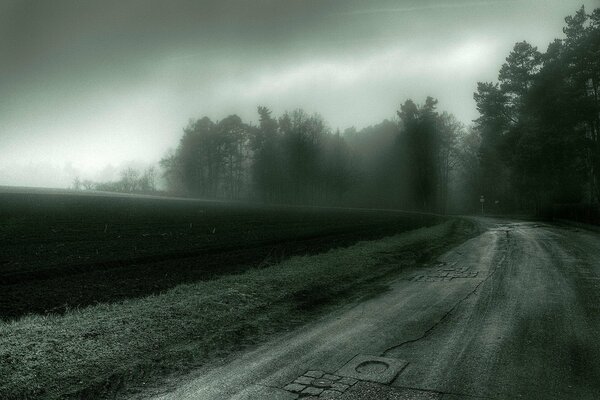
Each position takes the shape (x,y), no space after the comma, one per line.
(104,350)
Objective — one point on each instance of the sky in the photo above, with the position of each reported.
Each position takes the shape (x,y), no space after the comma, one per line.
(88,87)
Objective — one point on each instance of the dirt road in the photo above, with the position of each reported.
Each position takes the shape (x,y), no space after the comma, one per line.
(512,313)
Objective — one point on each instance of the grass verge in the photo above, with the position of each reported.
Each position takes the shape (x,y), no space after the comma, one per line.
(104,350)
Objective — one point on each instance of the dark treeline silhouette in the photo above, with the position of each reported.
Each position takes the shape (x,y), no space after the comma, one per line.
(297,159)
(535,144)
(539,124)
(292,159)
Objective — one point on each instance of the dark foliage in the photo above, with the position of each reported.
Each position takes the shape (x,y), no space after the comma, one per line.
(540,124)
(297,159)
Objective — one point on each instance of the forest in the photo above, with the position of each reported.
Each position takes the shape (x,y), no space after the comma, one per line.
(297,159)
(534,147)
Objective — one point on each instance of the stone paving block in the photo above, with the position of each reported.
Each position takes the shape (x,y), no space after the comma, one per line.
(294,387)
(330,394)
(347,381)
(304,380)
(314,374)
(331,377)
(312,391)
(322,383)
(339,387)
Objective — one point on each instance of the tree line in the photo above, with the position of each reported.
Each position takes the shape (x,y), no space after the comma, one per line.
(296,158)
(540,123)
(131,180)
(535,143)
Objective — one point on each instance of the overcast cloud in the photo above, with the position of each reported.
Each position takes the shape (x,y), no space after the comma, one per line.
(89,86)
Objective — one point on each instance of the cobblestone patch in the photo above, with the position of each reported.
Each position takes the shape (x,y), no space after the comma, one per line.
(319,384)
(304,380)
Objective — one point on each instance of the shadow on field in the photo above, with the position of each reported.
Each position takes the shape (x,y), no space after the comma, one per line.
(62,251)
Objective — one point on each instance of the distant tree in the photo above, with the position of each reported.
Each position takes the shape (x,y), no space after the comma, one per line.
(337,168)
(172,172)
(88,184)
(302,137)
(76,183)
(147,182)
(267,166)
(378,174)
(129,180)
(200,158)
(449,131)
(232,140)
(212,159)
(468,181)
(421,148)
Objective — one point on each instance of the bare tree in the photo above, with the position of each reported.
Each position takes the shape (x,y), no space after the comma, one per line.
(147,182)
(76,183)
(88,184)
(130,179)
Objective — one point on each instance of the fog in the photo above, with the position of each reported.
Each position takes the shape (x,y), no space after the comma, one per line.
(89,88)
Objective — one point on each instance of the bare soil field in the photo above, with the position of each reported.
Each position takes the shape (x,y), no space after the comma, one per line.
(60,251)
